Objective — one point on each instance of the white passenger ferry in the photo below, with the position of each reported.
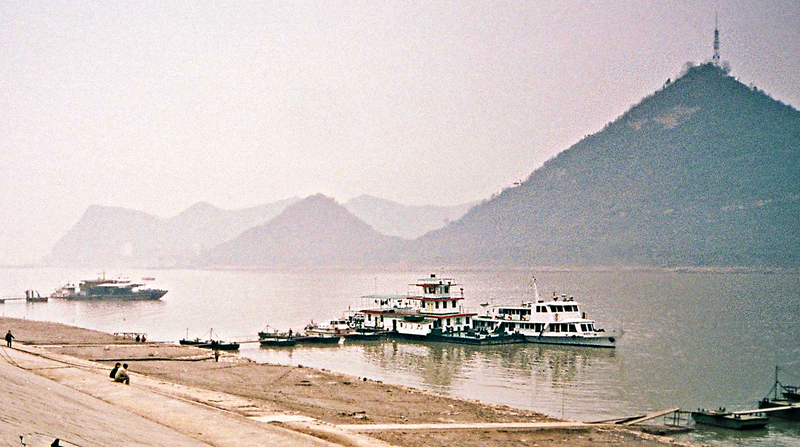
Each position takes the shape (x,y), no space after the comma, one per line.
(557,321)
(432,307)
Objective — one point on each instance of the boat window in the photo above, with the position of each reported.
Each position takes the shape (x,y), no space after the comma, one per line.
(437,304)
(572,328)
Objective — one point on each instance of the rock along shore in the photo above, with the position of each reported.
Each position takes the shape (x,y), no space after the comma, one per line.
(54,384)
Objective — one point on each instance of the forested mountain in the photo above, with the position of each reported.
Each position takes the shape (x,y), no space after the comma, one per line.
(703,172)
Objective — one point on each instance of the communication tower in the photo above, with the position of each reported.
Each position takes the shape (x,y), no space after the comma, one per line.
(715,58)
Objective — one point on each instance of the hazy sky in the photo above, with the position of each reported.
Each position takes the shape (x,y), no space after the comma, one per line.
(158,105)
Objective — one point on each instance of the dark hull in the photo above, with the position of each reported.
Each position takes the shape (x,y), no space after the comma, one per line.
(478,339)
(318,339)
(142,295)
(736,422)
(222,346)
(277,342)
(790,414)
(364,336)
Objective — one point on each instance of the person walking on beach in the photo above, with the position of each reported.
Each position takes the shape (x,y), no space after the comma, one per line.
(9,337)
(114,370)
(122,375)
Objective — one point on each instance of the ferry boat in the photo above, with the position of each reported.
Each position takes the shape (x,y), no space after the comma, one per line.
(560,320)
(433,308)
(104,289)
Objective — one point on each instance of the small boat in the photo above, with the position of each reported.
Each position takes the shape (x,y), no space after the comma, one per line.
(32,296)
(209,343)
(730,419)
(328,333)
(270,337)
(785,400)
(219,345)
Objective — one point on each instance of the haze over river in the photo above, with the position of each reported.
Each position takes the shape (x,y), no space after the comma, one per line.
(691,339)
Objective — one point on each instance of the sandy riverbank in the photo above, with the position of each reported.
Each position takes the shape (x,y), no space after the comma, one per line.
(313,402)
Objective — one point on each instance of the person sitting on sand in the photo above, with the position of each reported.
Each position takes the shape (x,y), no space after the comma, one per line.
(114,370)
(9,337)
(122,375)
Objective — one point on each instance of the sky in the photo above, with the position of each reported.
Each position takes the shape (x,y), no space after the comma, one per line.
(157,105)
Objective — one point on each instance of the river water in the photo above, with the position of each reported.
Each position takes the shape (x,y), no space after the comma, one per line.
(691,339)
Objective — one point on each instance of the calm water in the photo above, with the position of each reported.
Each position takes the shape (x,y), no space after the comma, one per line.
(692,340)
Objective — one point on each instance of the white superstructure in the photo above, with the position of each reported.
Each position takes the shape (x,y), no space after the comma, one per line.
(433,306)
(559,321)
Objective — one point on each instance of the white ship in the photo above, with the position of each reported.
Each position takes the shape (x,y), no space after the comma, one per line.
(433,307)
(560,320)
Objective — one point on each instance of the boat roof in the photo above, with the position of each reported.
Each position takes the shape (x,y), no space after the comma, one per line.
(385,297)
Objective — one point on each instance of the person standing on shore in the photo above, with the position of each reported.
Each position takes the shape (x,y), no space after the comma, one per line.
(9,337)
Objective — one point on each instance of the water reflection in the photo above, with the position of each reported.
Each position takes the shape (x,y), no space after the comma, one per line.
(563,381)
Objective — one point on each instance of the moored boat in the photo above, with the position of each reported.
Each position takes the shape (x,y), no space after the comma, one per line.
(32,296)
(107,289)
(730,419)
(215,344)
(560,320)
(785,400)
(270,337)
(434,310)
(432,307)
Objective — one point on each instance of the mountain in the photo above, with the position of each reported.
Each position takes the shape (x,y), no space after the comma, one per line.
(113,236)
(202,226)
(407,222)
(313,232)
(108,236)
(703,172)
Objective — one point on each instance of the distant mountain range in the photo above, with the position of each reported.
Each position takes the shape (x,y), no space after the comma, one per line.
(701,173)
(113,236)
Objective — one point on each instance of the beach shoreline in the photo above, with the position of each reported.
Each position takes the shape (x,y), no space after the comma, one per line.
(316,405)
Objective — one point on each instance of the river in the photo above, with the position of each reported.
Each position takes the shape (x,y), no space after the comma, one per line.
(691,339)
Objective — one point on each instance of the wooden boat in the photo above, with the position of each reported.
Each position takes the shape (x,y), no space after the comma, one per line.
(730,419)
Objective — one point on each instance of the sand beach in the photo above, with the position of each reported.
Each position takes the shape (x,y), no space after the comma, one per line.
(55,384)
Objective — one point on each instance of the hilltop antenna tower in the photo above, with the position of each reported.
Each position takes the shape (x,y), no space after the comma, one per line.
(715,58)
